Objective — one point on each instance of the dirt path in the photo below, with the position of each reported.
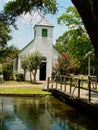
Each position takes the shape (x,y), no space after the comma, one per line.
(39,84)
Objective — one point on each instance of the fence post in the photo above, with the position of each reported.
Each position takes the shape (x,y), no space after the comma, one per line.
(82,81)
(64,84)
(56,81)
(60,82)
(70,84)
(78,88)
(89,88)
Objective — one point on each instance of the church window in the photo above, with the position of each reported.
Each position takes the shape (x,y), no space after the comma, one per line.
(44,32)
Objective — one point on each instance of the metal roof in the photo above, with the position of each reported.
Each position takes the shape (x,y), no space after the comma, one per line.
(44,22)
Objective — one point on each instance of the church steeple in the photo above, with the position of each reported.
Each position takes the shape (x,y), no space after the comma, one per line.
(44,22)
(44,29)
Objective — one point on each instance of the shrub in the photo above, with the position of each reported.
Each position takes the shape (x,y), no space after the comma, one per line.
(19,77)
(7,71)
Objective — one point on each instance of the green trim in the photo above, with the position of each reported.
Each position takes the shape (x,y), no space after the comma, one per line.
(44,26)
(27,45)
(56,49)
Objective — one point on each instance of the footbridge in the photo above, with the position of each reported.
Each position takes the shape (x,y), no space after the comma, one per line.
(75,91)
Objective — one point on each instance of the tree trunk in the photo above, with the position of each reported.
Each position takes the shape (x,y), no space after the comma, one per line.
(34,78)
(31,77)
(24,75)
(88,11)
(34,75)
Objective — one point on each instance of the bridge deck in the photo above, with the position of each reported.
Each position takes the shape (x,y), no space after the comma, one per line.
(84,93)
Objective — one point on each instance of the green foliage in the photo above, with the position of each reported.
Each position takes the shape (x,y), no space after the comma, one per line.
(17,7)
(21,90)
(0,68)
(4,34)
(62,65)
(7,55)
(13,9)
(34,63)
(71,18)
(19,77)
(31,62)
(8,52)
(61,45)
(75,41)
(35,60)
(8,71)
(24,62)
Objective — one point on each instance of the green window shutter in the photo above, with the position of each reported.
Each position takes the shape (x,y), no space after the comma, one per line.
(34,33)
(44,33)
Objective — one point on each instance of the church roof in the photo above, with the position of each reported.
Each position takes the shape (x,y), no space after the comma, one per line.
(44,22)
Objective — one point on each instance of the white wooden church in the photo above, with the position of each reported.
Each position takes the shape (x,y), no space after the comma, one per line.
(42,43)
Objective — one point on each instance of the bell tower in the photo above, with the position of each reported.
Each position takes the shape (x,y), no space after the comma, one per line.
(43,35)
(43,29)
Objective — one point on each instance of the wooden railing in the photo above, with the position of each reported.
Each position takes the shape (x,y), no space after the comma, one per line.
(75,87)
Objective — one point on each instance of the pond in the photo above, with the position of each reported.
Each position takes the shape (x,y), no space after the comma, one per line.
(41,113)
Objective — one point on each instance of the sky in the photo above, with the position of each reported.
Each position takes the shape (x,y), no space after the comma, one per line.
(25,24)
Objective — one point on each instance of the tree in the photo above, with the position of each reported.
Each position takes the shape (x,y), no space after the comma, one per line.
(88,10)
(34,62)
(24,65)
(61,43)
(8,52)
(7,55)
(15,8)
(4,34)
(7,71)
(65,65)
(75,41)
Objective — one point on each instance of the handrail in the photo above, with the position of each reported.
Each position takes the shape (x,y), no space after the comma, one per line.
(68,84)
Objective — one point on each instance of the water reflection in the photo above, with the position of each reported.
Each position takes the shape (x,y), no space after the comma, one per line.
(41,113)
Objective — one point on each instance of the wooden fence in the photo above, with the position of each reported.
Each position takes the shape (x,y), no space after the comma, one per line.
(75,87)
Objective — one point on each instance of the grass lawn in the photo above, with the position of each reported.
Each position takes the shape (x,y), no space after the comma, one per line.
(25,90)
(12,87)
(15,82)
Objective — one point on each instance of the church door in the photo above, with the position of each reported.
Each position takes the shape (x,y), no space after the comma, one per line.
(43,71)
